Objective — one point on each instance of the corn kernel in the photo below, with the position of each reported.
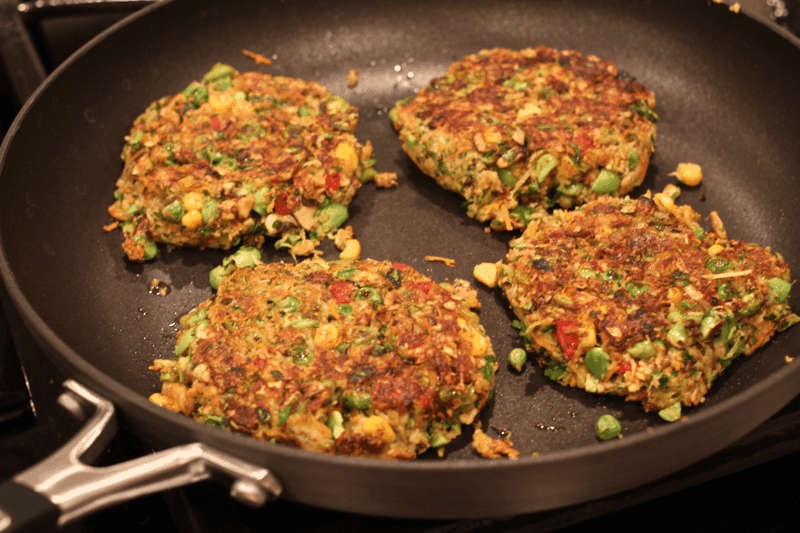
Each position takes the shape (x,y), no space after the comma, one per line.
(714,250)
(220,101)
(689,174)
(486,273)
(492,136)
(347,155)
(378,427)
(193,201)
(192,219)
(327,336)
(351,250)
(479,347)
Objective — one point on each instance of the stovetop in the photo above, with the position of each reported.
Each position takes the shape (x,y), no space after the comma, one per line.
(741,487)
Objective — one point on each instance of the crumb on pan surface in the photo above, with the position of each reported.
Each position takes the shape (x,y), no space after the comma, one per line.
(238,157)
(634,298)
(516,132)
(362,358)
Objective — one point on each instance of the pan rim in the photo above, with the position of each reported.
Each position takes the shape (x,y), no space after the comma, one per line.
(469,466)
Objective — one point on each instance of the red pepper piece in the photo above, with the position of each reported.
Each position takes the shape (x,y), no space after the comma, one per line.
(342,292)
(332,182)
(216,125)
(568,334)
(282,205)
(422,286)
(583,141)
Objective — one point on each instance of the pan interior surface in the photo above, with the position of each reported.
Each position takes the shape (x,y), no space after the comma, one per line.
(717,76)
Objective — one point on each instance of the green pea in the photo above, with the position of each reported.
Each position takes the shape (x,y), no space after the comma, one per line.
(507,177)
(261,199)
(636,289)
(345,309)
(247,256)
(332,217)
(210,211)
(544,165)
(607,427)
(677,336)
(671,413)
(779,289)
(302,355)
(367,175)
(216,276)
(523,212)
(150,248)
(642,350)
(573,190)
(710,321)
(718,264)
(174,211)
(437,439)
(358,400)
(597,361)
(606,182)
(517,358)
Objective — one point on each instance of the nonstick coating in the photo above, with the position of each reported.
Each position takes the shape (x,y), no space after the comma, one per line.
(725,87)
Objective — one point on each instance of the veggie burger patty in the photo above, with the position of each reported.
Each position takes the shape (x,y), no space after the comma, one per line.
(238,156)
(634,298)
(361,358)
(514,132)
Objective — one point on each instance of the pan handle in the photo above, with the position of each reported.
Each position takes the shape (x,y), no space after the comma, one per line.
(62,488)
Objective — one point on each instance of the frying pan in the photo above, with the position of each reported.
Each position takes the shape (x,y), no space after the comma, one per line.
(723,82)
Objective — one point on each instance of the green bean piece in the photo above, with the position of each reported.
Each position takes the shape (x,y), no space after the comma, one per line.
(607,427)
(597,361)
(218,72)
(671,413)
(336,424)
(184,341)
(606,182)
(517,358)
(507,177)
(544,165)
(290,304)
(779,289)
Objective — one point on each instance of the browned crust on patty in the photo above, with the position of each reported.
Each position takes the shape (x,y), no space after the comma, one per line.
(515,132)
